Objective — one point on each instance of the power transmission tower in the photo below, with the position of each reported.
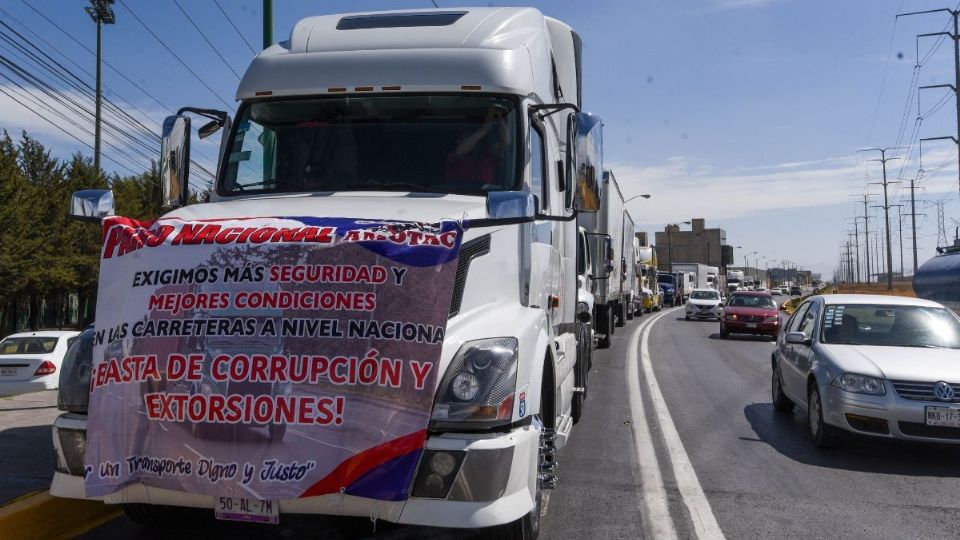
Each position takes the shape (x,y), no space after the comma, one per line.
(955,36)
(941,226)
(886,207)
(101,13)
(866,234)
(856,244)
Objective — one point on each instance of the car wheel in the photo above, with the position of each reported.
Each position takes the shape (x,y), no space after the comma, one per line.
(823,435)
(781,403)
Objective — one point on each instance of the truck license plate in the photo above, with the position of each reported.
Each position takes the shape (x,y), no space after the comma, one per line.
(943,416)
(8,372)
(249,510)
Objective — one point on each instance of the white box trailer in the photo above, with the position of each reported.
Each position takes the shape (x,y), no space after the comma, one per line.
(359,116)
(629,284)
(697,271)
(605,232)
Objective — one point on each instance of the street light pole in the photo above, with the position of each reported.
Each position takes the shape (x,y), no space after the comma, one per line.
(101,13)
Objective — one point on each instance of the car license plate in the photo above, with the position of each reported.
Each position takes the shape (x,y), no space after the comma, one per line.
(8,372)
(250,510)
(943,416)
(751,325)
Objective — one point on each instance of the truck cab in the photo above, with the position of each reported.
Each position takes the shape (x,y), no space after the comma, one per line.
(468,114)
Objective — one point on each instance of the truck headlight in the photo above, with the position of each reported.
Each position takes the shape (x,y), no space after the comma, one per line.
(477,389)
(859,384)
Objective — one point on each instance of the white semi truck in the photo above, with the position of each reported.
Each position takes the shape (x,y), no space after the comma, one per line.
(629,284)
(360,116)
(735,280)
(605,232)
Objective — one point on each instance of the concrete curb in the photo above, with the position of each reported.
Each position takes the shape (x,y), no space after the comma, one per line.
(43,516)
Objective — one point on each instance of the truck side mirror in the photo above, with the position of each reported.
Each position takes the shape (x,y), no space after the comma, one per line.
(584,160)
(175,161)
(91,204)
(518,206)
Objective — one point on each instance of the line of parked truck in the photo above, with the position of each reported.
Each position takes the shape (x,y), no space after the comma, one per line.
(372,117)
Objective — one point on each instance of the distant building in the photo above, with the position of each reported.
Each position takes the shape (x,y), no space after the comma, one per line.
(698,245)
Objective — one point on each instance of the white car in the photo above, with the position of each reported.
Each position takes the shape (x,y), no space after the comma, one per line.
(881,366)
(30,361)
(704,304)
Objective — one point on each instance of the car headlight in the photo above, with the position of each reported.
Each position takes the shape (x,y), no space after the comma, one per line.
(477,389)
(859,384)
(730,316)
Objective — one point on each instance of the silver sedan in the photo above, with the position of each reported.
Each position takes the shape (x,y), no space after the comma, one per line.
(881,366)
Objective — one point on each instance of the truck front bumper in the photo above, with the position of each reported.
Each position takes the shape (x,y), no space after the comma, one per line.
(495,482)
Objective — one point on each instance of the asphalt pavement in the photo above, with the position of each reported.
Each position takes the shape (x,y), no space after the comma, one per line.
(26,447)
(679,440)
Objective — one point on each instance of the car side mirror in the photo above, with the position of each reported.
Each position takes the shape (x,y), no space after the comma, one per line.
(796,337)
(91,204)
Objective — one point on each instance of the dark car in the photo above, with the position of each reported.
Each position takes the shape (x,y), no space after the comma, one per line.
(750,312)
(795,290)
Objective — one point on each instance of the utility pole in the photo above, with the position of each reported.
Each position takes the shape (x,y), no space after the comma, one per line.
(955,36)
(866,234)
(886,208)
(913,220)
(856,244)
(267,23)
(900,215)
(101,13)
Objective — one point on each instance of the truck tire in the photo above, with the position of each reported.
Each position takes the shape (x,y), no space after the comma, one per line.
(629,310)
(621,316)
(604,328)
(581,371)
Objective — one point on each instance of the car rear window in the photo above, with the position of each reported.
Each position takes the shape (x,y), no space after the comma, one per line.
(28,345)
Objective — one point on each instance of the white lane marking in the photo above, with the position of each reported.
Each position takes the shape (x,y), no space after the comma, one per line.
(704,522)
(653,492)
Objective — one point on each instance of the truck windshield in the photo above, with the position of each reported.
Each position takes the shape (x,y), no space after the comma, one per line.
(665,278)
(448,144)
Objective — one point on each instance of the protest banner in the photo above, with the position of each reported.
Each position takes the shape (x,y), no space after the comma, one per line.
(267,357)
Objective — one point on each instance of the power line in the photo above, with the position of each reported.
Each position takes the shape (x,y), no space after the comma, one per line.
(68,77)
(175,55)
(204,36)
(239,33)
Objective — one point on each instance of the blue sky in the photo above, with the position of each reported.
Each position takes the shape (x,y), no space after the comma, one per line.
(748,113)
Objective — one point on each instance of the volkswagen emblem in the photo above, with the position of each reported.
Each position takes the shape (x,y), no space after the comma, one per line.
(944,391)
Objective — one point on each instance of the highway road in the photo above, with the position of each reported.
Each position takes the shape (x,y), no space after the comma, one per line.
(679,440)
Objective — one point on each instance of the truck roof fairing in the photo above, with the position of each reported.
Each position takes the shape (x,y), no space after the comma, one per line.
(503,50)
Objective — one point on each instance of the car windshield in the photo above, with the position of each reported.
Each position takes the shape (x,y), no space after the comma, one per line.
(704,295)
(743,300)
(448,144)
(28,345)
(890,326)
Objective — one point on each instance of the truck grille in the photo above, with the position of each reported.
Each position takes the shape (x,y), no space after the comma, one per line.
(468,251)
(751,318)
(922,391)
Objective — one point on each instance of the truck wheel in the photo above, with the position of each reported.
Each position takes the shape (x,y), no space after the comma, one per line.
(158,516)
(604,328)
(621,314)
(580,373)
